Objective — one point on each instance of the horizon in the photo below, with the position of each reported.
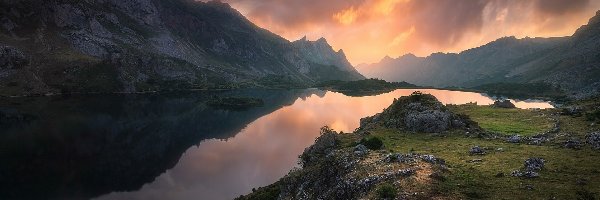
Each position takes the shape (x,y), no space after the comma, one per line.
(407,28)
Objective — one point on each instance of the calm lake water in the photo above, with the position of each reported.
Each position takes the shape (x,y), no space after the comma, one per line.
(172,146)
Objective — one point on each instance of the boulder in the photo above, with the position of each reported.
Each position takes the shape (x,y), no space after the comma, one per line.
(361,150)
(593,139)
(476,150)
(534,164)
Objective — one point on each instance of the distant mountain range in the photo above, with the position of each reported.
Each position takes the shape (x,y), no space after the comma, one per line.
(64,46)
(569,63)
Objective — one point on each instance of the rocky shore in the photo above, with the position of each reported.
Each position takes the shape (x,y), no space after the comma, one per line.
(419,148)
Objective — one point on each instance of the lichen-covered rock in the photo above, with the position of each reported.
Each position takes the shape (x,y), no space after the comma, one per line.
(593,139)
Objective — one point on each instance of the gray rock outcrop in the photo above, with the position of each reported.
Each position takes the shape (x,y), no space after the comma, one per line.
(419,113)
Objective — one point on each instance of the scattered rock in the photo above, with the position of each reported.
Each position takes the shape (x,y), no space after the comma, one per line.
(536,141)
(432,159)
(476,150)
(593,139)
(514,139)
(500,149)
(525,174)
(504,104)
(499,175)
(402,158)
(476,161)
(531,168)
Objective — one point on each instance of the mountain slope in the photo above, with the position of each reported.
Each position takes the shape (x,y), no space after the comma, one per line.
(571,63)
(138,45)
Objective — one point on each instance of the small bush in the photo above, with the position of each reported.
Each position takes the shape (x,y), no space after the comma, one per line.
(373,143)
(386,191)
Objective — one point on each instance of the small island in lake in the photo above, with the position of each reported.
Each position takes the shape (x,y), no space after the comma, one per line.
(365,87)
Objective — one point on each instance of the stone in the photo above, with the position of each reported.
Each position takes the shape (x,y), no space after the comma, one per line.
(525,174)
(500,174)
(504,104)
(593,139)
(536,141)
(361,150)
(476,150)
(514,139)
(534,164)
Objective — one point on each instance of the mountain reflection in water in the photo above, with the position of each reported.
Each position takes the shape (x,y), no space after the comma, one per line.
(156,147)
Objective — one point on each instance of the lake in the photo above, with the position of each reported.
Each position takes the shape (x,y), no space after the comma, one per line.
(172,146)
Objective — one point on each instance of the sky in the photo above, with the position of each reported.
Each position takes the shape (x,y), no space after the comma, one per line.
(368,30)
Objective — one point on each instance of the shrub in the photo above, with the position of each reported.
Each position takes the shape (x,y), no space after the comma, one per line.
(386,191)
(373,143)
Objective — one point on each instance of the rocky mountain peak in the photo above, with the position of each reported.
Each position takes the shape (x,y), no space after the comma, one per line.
(387,59)
(591,29)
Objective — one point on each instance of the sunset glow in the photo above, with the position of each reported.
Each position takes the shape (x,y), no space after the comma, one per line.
(369,30)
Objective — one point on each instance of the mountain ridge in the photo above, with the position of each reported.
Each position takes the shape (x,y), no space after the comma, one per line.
(570,63)
(150,45)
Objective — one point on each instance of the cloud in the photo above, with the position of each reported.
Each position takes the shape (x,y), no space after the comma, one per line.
(367,30)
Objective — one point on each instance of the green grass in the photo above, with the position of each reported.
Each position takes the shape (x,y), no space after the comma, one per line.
(477,179)
(507,121)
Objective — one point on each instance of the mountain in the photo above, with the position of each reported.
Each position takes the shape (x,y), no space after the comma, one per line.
(65,46)
(570,63)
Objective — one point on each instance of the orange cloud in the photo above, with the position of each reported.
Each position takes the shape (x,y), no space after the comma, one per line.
(346,17)
(367,30)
